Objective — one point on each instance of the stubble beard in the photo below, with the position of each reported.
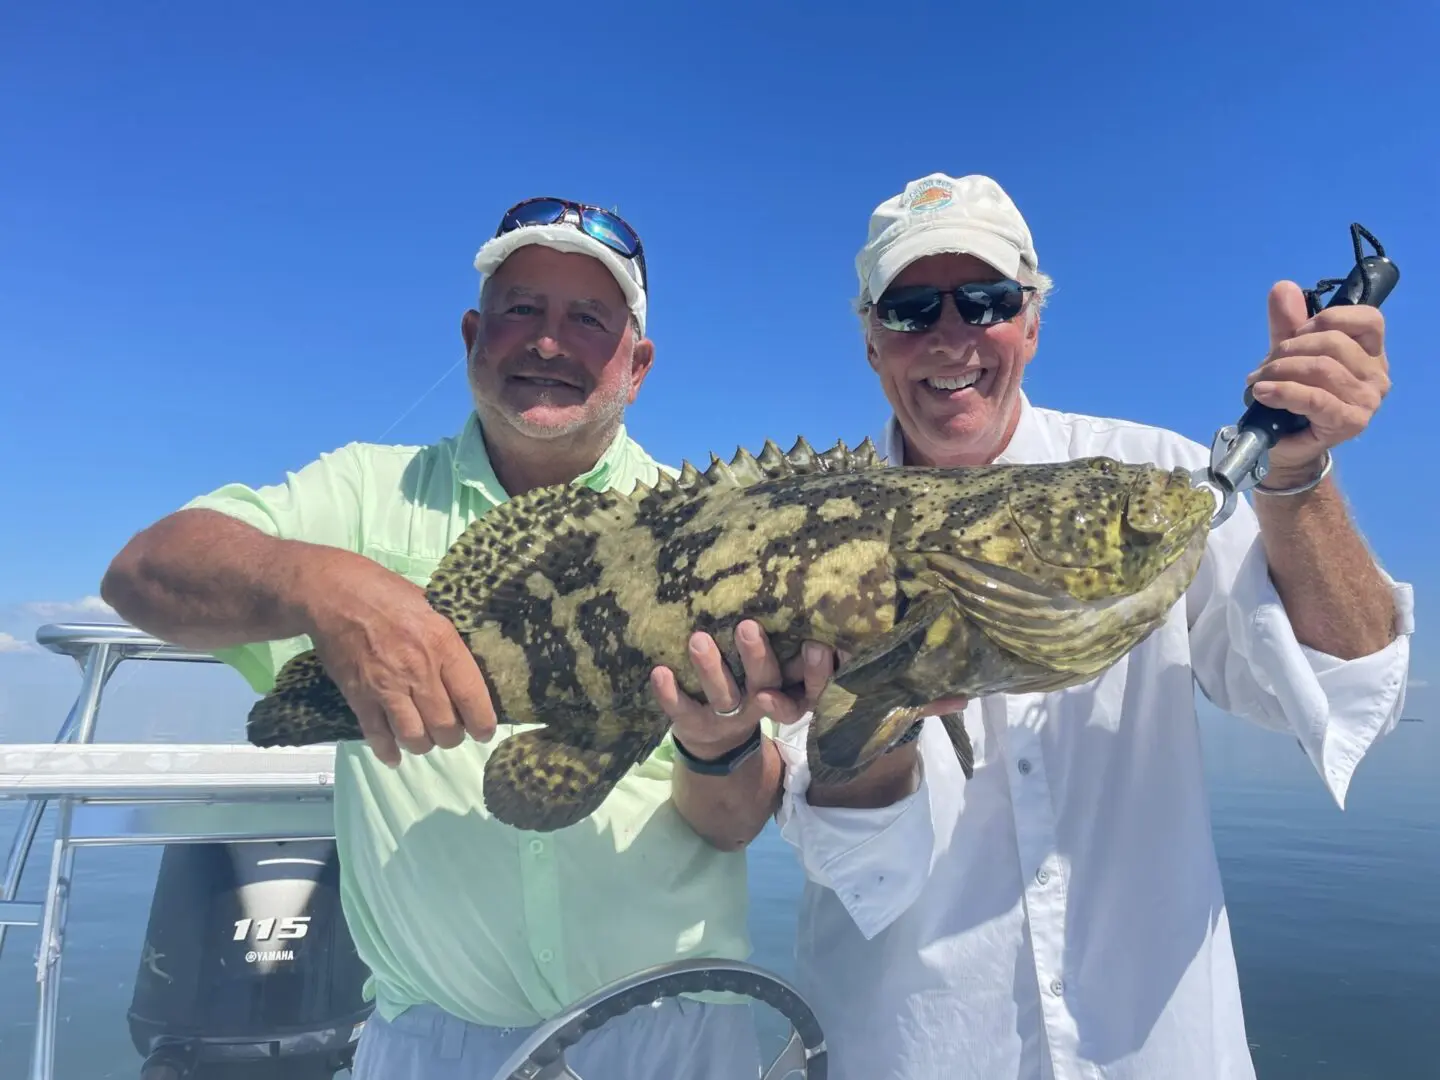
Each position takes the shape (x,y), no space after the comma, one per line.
(603,409)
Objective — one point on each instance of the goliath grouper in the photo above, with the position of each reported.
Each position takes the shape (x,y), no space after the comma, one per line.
(938,583)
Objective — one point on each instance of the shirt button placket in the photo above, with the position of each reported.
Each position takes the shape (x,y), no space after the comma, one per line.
(1044,892)
(540,868)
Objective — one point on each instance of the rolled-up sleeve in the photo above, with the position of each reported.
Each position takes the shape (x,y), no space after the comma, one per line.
(875,861)
(1248,661)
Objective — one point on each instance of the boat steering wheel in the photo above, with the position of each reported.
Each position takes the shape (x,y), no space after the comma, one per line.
(542,1055)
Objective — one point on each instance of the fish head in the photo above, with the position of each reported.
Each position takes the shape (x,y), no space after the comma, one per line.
(1069,565)
(1097,528)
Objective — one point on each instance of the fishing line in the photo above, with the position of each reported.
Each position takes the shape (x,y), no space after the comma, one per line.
(119,678)
(435,386)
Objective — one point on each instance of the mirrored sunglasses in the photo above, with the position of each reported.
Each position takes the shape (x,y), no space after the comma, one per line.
(911,309)
(603,225)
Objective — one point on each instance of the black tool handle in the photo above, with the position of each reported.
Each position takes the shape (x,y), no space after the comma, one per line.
(1370,282)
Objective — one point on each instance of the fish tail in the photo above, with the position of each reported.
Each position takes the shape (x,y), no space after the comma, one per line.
(305,707)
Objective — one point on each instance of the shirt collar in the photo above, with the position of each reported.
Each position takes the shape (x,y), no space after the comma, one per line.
(474,469)
(1029,442)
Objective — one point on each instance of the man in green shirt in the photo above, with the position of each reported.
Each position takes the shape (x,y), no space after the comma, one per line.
(475,932)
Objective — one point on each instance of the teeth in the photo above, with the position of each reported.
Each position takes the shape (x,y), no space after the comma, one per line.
(958,382)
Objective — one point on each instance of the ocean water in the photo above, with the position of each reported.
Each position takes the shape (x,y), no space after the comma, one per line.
(1336,916)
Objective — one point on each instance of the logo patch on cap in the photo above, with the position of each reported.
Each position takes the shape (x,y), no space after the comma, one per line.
(930,196)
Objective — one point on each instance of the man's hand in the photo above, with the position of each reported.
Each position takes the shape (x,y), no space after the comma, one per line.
(1331,369)
(701,727)
(706,733)
(401,665)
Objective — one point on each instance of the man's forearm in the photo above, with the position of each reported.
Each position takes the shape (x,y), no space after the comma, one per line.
(1333,594)
(729,811)
(207,581)
(892,777)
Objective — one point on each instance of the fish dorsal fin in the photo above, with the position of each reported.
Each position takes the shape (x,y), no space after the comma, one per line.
(546,528)
(745,469)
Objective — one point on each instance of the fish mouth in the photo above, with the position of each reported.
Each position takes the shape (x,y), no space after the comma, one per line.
(1053,630)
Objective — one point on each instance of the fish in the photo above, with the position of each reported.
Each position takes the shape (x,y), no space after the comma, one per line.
(930,583)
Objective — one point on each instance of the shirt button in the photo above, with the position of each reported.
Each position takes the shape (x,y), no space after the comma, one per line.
(537,846)
(1057,987)
(1024,766)
(1042,875)
(546,956)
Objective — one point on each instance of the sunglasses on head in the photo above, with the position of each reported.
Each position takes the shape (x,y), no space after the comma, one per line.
(910,309)
(609,228)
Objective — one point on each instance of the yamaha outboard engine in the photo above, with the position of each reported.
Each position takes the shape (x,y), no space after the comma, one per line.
(248,971)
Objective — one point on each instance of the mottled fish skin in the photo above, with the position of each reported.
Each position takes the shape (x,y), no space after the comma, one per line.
(940,582)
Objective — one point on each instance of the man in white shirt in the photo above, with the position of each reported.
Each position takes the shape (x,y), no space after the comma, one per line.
(1060,914)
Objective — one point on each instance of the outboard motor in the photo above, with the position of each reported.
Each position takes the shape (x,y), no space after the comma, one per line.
(248,970)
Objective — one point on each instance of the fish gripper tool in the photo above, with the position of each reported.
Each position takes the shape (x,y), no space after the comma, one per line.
(1240,452)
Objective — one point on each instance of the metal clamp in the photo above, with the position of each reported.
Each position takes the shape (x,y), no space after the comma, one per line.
(1237,464)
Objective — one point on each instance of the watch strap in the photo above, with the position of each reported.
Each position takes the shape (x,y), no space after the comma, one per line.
(727,762)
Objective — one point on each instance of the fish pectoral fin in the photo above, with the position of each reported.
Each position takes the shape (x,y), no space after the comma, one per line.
(954,724)
(305,707)
(870,701)
(844,761)
(860,735)
(537,781)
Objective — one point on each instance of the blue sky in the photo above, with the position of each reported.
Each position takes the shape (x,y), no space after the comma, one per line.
(235,237)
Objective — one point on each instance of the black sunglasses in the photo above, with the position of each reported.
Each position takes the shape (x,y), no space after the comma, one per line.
(911,309)
(609,228)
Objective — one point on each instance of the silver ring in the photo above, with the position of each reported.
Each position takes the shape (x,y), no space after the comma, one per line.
(729,712)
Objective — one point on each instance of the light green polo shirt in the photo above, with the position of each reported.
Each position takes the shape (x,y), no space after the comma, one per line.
(447,905)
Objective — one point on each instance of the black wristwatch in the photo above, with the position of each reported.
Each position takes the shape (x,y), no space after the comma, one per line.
(727,762)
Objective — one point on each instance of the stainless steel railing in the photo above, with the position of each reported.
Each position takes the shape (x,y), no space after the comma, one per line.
(115,794)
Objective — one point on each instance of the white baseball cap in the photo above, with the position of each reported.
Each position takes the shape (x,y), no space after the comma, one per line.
(969,215)
(563,236)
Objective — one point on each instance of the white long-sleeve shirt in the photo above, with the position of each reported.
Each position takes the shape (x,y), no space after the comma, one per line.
(1060,915)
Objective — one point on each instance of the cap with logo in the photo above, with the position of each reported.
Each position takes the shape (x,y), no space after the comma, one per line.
(968,215)
(573,227)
